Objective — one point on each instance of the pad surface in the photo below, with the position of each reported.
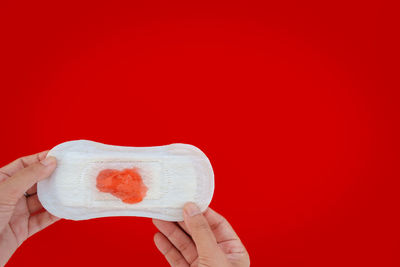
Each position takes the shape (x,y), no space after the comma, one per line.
(173,174)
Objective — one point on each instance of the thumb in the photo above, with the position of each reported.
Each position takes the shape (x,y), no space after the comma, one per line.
(14,187)
(200,230)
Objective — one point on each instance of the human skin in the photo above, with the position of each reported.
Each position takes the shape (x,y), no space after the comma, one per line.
(22,216)
(202,240)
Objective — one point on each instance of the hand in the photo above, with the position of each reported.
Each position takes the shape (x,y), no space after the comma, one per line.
(203,240)
(22,215)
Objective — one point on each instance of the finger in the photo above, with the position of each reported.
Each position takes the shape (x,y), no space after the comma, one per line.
(172,255)
(226,237)
(200,230)
(220,226)
(13,188)
(40,221)
(3,175)
(22,162)
(32,190)
(34,204)
(178,238)
(184,227)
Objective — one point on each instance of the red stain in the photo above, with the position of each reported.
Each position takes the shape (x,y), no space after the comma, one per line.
(127,184)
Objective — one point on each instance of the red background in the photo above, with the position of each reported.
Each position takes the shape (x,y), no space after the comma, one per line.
(291,101)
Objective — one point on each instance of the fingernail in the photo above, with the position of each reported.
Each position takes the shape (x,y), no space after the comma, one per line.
(49,161)
(191,209)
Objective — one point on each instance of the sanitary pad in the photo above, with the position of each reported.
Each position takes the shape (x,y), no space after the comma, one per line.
(172,174)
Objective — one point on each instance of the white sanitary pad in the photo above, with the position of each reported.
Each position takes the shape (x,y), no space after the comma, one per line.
(174,174)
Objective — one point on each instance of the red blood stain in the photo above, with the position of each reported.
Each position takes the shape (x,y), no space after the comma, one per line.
(127,184)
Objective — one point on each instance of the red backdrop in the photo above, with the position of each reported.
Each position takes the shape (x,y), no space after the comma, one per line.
(287,98)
